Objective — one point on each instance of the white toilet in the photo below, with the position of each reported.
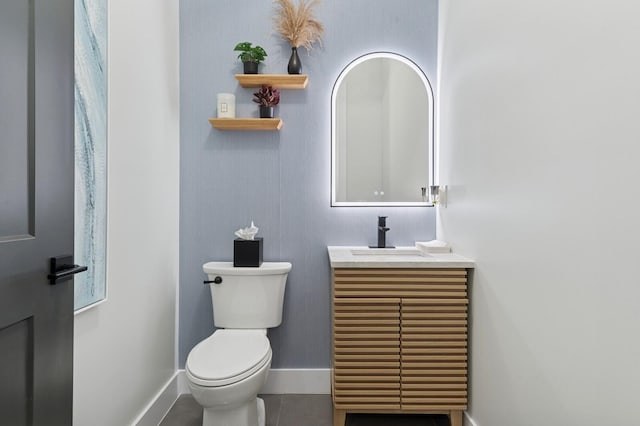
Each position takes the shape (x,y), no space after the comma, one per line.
(227,370)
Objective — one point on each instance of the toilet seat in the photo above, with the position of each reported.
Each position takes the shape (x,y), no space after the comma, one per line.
(227,356)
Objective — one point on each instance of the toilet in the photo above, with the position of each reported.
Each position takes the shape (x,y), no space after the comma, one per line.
(226,371)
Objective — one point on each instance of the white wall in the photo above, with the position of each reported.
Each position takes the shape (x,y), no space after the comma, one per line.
(540,104)
(125,349)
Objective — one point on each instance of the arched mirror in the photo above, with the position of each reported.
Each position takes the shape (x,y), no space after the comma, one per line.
(381,133)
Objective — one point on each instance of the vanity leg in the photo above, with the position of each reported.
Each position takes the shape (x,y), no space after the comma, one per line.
(455,417)
(339,417)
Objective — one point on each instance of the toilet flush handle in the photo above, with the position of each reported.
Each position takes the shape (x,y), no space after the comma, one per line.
(216,280)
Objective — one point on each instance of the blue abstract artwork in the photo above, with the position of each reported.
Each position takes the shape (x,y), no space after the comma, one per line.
(90,150)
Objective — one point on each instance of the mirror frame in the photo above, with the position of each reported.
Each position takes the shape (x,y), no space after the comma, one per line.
(431,140)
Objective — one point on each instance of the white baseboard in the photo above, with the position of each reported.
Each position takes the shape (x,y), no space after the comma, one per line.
(160,405)
(285,381)
(183,386)
(279,381)
(468,421)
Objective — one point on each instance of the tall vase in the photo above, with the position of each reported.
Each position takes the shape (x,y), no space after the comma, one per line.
(295,66)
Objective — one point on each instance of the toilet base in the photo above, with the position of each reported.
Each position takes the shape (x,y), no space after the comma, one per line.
(251,413)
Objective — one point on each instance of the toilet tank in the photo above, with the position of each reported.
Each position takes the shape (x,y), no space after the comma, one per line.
(247,297)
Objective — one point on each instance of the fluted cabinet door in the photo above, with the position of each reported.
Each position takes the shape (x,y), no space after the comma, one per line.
(366,353)
(434,354)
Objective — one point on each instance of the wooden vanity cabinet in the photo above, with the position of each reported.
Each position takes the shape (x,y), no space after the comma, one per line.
(399,341)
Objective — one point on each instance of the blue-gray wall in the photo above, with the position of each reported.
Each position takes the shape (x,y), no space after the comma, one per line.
(281,179)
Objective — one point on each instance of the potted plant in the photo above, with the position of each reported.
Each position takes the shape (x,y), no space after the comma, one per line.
(250,56)
(298,25)
(267,97)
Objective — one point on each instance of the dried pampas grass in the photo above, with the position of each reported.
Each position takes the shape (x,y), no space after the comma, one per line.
(296,24)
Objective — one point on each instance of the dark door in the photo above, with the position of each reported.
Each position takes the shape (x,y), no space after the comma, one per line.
(36,210)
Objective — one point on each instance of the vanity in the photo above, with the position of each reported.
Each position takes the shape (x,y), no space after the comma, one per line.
(399,332)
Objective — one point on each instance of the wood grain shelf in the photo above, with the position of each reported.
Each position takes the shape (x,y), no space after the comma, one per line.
(246,123)
(279,81)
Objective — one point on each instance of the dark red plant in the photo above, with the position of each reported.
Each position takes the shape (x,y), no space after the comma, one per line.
(267,96)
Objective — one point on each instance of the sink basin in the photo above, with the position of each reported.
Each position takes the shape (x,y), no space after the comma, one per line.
(400,251)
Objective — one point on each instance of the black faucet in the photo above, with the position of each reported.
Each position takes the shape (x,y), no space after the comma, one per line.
(382,232)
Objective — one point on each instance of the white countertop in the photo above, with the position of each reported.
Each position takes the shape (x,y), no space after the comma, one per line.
(344,257)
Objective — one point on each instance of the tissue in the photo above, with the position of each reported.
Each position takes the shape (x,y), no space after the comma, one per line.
(247,233)
(247,249)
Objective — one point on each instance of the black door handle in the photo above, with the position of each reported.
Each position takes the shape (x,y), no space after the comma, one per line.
(62,268)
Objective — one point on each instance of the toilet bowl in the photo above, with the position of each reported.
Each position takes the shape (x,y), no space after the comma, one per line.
(226,371)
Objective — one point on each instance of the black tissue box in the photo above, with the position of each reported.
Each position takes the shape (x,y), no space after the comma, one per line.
(247,252)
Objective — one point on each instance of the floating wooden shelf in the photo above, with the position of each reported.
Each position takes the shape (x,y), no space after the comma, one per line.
(246,123)
(279,81)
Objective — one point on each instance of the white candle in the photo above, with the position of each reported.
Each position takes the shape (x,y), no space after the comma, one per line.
(226,105)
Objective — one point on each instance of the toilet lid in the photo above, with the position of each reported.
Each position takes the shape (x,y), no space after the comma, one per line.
(227,356)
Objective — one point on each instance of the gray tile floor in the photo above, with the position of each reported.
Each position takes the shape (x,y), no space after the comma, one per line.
(300,410)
